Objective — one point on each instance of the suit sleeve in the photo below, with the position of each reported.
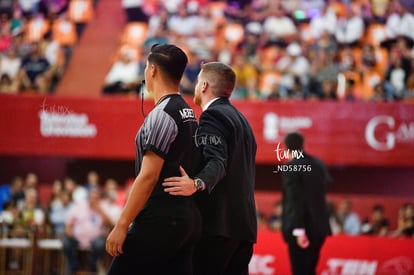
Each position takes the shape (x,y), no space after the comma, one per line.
(212,137)
(294,192)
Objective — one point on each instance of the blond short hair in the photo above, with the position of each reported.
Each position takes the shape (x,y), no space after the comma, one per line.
(221,78)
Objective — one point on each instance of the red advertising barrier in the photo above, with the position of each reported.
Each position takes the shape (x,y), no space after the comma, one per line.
(340,133)
(340,255)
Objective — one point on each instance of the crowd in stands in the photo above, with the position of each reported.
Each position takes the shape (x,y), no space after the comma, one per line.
(80,215)
(284,50)
(344,220)
(81,212)
(36,41)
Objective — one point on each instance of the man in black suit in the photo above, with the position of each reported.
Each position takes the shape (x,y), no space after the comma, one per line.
(305,218)
(225,184)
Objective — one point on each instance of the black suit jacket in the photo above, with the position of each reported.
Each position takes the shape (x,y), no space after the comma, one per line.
(304,198)
(229,153)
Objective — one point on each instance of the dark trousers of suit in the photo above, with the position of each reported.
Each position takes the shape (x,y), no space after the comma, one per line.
(304,261)
(222,256)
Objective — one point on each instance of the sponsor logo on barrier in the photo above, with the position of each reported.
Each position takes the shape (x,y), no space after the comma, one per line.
(391,132)
(336,266)
(276,126)
(395,266)
(261,265)
(60,121)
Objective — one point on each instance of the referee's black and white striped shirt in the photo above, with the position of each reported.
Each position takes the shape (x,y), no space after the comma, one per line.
(169,131)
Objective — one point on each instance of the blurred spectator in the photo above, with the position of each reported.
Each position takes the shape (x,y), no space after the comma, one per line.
(349,220)
(405,221)
(58,211)
(326,43)
(379,94)
(113,198)
(275,219)
(400,22)
(8,85)
(205,38)
(350,29)
(123,76)
(182,25)
(6,7)
(32,214)
(10,64)
(114,193)
(379,10)
(334,221)
(368,57)
(54,8)
(17,23)
(323,23)
(133,10)
(23,48)
(250,47)
(29,7)
(158,22)
(92,180)
(190,75)
(5,41)
(350,91)
(323,77)
(294,68)
(278,26)
(17,191)
(377,224)
(9,216)
(78,193)
(347,60)
(85,229)
(246,79)
(394,80)
(31,181)
(34,72)
(158,36)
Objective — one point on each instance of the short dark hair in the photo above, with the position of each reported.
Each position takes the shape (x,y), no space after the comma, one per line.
(294,141)
(170,59)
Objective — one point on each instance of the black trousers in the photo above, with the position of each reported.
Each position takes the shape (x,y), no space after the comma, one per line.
(158,246)
(222,256)
(304,261)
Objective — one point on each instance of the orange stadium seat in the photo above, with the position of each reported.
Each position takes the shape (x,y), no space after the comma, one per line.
(81,10)
(216,11)
(36,29)
(233,33)
(268,81)
(375,34)
(134,52)
(134,34)
(64,31)
(369,80)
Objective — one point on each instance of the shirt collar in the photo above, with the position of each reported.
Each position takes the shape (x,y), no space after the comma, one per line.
(209,103)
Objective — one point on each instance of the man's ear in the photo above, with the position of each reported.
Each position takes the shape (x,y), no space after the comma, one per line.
(204,86)
(153,70)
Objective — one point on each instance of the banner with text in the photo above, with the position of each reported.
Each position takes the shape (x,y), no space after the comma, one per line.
(340,255)
(338,133)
